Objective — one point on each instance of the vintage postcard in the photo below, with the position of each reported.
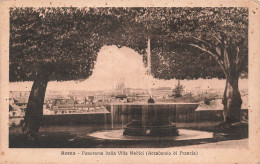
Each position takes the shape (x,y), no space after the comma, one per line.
(129,81)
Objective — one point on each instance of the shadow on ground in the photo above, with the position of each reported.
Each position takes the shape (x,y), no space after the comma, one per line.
(76,136)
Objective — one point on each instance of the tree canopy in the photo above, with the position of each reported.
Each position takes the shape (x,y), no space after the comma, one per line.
(68,40)
(193,39)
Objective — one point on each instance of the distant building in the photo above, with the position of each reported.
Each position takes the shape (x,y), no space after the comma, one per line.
(78,108)
(121,98)
(142,97)
(162,92)
(14,109)
(21,102)
(120,88)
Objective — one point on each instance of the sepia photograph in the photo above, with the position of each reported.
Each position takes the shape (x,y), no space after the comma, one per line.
(131,74)
(136,81)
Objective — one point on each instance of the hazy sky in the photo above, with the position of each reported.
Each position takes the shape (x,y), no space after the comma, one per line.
(114,65)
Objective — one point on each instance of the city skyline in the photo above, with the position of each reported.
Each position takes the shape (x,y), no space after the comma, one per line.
(105,76)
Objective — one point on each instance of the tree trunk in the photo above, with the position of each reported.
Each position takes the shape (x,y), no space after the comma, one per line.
(34,109)
(232,100)
(229,57)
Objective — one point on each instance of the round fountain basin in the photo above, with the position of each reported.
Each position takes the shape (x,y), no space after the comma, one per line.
(184,134)
(151,119)
(135,128)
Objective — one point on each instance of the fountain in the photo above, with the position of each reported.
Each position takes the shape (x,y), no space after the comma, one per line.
(154,120)
(150,121)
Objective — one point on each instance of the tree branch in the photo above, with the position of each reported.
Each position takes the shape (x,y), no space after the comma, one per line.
(226,60)
(238,59)
(239,53)
(204,49)
(202,41)
(218,39)
(210,46)
(215,56)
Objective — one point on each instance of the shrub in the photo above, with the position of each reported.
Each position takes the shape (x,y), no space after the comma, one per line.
(177,91)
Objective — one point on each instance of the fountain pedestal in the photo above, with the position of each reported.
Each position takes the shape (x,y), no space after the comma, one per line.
(135,128)
(151,120)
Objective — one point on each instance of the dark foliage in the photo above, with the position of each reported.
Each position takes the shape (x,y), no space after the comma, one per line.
(69,39)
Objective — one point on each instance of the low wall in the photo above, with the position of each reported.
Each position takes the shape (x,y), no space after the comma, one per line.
(177,113)
(72,119)
(212,115)
(122,114)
